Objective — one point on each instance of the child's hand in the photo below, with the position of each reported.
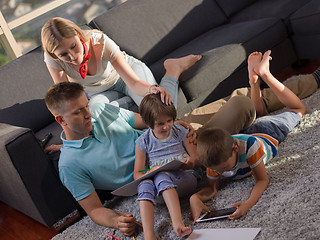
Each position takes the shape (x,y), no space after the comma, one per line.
(188,163)
(242,209)
(197,206)
(153,169)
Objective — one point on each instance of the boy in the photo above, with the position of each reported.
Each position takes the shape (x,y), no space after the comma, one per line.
(241,155)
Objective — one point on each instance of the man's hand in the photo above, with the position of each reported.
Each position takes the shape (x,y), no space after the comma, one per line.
(126,224)
(197,206)
(52,148)
(242,209)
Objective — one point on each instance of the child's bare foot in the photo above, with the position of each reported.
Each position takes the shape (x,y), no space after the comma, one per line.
(182,230)
(253,60)
(263,68)
(175,66)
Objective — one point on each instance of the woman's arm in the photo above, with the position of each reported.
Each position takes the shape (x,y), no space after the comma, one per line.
(262,182)
(137,85)
(57,75)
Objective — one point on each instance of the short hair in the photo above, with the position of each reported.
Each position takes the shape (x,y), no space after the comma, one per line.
(57,29)
(151,107)
(214,146)
(59,93)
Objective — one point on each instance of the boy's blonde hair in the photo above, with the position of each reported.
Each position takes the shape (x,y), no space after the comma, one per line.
(151,107)
(214,146)
(57,29)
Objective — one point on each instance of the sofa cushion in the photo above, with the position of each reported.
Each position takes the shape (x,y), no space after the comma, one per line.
(303,20)
(33,114)
(281,9)
(232,6)
(150,29)
(224,49)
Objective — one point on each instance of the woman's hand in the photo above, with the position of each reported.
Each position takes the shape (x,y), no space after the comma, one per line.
(164,95)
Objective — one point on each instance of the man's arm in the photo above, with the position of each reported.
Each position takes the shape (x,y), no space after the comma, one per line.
(105,216)
(138,122)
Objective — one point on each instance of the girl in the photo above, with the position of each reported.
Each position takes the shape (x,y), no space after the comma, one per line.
(163,142)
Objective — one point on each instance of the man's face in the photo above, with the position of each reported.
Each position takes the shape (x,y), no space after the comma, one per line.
(75,118)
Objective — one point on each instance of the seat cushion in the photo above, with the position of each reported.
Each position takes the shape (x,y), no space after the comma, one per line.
(149,29)
(33,114)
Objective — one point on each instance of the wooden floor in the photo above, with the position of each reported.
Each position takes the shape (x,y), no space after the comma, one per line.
(16,226)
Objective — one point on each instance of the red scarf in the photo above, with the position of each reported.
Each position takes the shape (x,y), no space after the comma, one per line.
(83,66)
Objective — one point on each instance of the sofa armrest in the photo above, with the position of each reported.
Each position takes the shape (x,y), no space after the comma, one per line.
(29,181)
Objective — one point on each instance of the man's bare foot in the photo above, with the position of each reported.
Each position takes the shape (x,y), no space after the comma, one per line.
(182,231)
(263,68)
(253,60)
(175,66)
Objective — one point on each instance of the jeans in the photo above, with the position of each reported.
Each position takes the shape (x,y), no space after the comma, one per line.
(277,126)
(184,182)
(120,95)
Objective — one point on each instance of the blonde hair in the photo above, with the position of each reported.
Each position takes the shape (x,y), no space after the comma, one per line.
(214,146)
(57,29)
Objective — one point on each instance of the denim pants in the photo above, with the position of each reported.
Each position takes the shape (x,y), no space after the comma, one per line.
(184,181)
(120,95)
(277,126)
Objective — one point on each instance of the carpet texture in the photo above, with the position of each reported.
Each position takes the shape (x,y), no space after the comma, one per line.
(288,209)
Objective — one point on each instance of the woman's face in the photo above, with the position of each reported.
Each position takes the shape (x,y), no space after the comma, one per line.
(70,50)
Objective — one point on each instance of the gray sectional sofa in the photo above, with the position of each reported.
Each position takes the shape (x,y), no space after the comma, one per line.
(225,32)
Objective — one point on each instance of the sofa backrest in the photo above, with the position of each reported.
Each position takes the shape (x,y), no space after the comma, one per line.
(24,83)
(150,29)
(23,79)
(232,6)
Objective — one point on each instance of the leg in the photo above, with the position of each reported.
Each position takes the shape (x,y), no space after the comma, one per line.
(254,59)
(146,196)
(165,186)
(284,94)
(237,114)
(113,97)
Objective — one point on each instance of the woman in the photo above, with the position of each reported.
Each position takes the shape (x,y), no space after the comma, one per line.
(91,58)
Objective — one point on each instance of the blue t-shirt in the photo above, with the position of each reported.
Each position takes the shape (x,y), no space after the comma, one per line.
(104,160)
(159,152)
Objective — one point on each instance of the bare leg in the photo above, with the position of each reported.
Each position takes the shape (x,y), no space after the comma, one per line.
(175,66)
(171,198)
(147,217)
(284,94)
(254,59)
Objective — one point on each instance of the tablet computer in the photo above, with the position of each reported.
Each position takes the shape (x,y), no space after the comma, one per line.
(216,214)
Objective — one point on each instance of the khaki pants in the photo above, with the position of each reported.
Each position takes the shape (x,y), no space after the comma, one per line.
(237,112)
